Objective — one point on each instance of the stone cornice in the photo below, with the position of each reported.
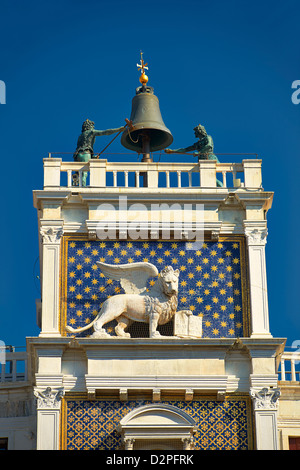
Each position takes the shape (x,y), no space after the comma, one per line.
(263,344)
(188,195)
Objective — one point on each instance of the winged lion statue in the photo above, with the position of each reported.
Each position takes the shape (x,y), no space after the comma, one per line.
(155,307)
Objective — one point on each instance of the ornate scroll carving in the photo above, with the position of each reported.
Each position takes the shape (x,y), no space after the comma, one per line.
(49,398)
(188,443)
(51,235)
(265,399)
(256,234)
(128,443)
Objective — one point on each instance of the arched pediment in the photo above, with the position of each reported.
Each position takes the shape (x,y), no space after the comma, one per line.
(153,415)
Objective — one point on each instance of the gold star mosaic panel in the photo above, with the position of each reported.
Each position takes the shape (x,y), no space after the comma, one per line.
(93,425)
(212,280)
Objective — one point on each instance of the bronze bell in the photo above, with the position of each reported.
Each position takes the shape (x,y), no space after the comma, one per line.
(149,132)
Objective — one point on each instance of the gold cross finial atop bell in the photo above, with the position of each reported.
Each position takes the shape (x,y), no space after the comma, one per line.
(142,66)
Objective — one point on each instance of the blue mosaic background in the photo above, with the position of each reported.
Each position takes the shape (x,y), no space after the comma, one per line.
(210,281)
(93,424)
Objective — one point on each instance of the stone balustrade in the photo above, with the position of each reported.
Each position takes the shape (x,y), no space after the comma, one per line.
(289,369)
(100,173)
(13,368)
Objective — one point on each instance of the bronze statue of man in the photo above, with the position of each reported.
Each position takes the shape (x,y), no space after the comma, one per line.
(85,145)
(203,149)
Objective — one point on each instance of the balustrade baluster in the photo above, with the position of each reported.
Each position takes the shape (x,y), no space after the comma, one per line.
(137,179)
(14,370)
(69,172)
(2,372)
(179,179)
(168,179)
(224,179)
(282,369)
(293,370)
(80,178)
(115,178)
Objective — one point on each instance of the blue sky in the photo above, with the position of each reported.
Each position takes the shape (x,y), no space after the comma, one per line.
(227,65)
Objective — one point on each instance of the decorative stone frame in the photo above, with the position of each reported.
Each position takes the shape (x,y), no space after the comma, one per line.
(157,422)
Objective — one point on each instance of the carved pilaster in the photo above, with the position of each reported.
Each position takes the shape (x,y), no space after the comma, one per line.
(256,236)
(51,232)
(265,403)
(48,417)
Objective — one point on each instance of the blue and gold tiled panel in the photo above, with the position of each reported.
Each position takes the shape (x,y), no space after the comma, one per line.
(212,280)
(91,425)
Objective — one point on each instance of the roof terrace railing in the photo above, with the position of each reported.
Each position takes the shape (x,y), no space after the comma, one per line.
(101,173)
(14,368)
(289,367)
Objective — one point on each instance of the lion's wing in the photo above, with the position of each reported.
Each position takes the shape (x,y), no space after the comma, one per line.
(133,276)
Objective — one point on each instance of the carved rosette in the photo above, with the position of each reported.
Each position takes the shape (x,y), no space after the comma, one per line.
(49,398)
(265,399)
(51,235)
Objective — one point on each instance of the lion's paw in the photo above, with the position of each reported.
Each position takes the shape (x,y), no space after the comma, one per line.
(156,334)
(100,334)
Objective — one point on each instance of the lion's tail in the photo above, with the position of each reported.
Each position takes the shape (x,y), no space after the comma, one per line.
(69,329)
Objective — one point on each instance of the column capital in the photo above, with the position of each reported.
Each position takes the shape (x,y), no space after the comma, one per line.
(256,232)
(51,232)
(128,443)
(49,398)
(188,443)
(265,399)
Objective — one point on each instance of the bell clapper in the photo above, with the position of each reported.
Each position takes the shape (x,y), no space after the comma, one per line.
(146,147)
